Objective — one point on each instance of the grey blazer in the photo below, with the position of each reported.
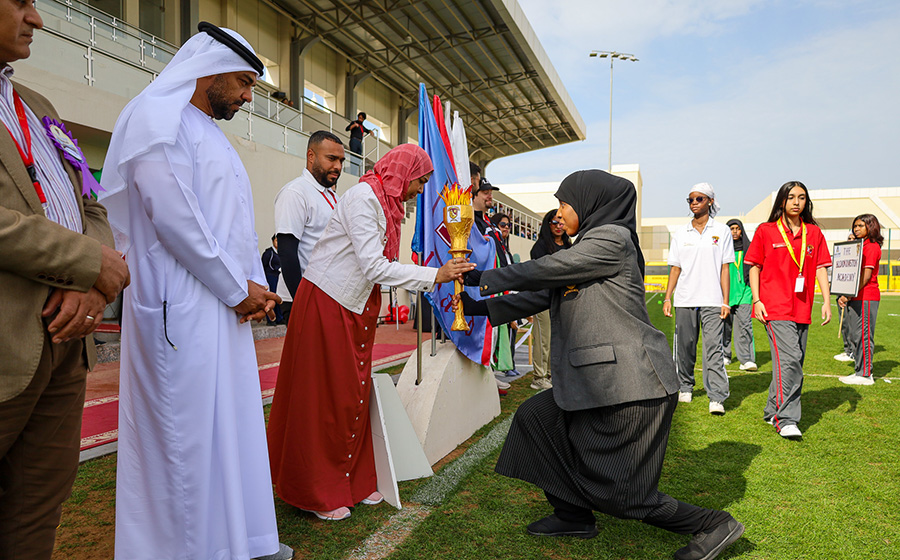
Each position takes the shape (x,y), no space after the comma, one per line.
(604,350)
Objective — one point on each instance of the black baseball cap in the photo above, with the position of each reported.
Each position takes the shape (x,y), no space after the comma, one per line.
(486,185)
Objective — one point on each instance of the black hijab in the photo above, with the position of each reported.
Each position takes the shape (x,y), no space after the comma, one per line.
(742,244)
(545,236)
(598,199)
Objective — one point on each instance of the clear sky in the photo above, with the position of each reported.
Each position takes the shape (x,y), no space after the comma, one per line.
(743,94)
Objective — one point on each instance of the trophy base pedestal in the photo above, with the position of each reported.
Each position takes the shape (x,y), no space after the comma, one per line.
(455,398)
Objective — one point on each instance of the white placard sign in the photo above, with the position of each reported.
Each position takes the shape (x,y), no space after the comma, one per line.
(846,268)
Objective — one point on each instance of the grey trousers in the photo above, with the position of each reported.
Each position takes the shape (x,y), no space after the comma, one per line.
(541,346)
(861,316)
(688,323)
(743,339)
(846,334)
(787,340)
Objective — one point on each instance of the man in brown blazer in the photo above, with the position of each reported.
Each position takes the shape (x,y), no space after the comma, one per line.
(57,274)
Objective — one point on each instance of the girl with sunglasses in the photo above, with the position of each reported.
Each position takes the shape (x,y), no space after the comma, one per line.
(700,255)
(788,256)
(552,238)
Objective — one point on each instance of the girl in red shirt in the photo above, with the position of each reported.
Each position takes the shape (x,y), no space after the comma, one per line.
(862,310)
(788,255)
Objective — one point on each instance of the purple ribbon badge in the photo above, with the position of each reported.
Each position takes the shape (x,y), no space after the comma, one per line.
(68,145)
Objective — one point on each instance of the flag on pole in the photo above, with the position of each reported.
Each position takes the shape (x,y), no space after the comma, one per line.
(460,147)
(432,240)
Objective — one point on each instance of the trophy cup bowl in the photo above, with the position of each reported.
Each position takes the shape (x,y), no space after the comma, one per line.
(459,219)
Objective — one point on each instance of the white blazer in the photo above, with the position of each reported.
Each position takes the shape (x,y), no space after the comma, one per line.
(348,260)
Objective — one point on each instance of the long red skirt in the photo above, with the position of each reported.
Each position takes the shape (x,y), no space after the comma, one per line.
(319,434)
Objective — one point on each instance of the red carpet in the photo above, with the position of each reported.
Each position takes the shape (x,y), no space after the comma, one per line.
(100,422)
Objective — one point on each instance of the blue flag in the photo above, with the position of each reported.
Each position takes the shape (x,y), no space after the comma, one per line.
(431,239)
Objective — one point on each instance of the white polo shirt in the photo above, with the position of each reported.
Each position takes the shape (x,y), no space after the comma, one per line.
(302,209)
(700,256)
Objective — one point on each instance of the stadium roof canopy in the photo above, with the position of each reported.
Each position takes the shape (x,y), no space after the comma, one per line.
(481,55)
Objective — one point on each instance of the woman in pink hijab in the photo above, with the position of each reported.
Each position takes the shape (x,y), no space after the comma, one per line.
(320,440)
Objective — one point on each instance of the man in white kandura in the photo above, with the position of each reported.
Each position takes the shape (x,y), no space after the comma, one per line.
(193,472)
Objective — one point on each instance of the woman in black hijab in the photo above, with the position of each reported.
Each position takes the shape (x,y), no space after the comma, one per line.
(740,299)
(552,238)
(596,441)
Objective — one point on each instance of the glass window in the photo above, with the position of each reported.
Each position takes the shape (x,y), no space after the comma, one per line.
(152,17)
(111,7)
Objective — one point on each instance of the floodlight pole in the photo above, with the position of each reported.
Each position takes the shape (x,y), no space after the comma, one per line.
(612,55)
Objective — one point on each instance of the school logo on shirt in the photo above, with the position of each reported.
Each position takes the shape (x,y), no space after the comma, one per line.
(715,239)
(809,249)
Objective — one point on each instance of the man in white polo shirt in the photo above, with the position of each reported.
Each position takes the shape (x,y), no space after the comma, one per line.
(699,255)
(302,210)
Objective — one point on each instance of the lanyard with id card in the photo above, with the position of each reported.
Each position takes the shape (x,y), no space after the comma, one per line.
(799,282)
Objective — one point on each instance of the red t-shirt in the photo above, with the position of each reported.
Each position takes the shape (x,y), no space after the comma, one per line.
(871,254)
(779,272)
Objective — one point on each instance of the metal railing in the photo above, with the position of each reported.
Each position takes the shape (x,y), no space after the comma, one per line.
(102,51)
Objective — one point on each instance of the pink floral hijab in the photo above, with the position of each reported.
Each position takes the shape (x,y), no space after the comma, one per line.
(390,177)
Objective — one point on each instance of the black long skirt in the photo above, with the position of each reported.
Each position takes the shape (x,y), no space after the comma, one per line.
(606,459)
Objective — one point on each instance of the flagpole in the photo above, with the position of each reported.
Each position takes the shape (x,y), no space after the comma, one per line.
(419,330)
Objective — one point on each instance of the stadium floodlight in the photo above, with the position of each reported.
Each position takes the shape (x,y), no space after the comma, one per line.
(612,55)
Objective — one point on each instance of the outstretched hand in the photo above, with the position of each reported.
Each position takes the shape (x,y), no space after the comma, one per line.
(453,269)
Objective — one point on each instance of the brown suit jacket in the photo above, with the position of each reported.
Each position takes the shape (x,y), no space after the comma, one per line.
(37,255)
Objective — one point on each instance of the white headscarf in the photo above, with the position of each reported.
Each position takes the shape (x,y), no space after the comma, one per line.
(708,190)
(154,116)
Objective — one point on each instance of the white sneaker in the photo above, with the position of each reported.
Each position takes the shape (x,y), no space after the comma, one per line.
(770,421)
(857,380)
(684,396)
(501,384)
(716,408)
(790,431)
(748,366)
(725,361)
(541,383)
(844,357)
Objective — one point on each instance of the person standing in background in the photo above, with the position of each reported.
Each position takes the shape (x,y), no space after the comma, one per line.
(788,255)
(699,255)
(303,208)
(272,268)
(551,238)
(357,130)
(862,310)
(740,298)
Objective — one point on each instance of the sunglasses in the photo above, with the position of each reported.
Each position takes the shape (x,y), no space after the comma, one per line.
(503,224)
(554,222)
(698,199)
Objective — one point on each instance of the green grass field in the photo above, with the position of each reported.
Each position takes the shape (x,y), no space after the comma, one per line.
(833,495)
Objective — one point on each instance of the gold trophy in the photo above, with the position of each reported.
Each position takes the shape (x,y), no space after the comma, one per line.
(459,217)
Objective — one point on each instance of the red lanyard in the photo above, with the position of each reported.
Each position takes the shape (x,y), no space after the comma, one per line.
(328,201)
(27,157)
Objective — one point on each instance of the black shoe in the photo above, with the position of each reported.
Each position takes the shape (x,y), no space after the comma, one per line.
(552,526)
(708,545)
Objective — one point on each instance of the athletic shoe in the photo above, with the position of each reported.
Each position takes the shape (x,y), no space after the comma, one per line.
(503,385)
(373,499)
(857,380)
(770,421)
(716,408)
(726,361)
(748,366)
(791,431)
(338,514)
(541,383)
(684,396)
(844,357)
(708,545)
(552,526)
(284,553)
